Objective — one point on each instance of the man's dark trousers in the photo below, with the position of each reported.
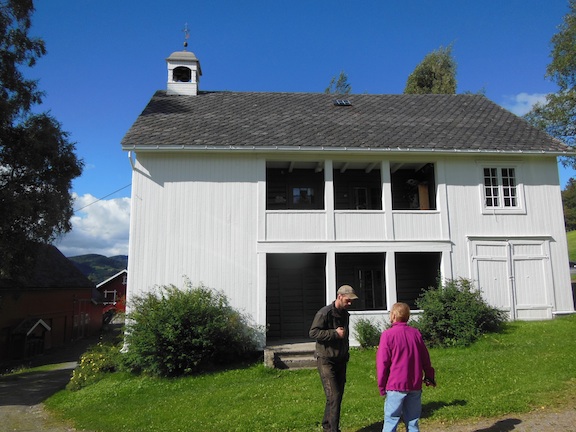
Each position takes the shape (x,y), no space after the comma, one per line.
(333,375)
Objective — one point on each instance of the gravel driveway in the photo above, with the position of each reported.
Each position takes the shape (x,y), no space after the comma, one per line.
(21,408)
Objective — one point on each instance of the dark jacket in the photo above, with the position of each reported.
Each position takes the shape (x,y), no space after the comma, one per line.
(323,329)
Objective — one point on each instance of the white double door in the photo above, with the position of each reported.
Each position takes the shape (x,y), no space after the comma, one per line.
(514,275)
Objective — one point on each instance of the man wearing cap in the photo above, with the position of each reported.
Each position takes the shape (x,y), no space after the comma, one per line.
(330,328)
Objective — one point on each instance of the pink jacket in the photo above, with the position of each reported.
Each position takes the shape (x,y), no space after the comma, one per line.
(402,359)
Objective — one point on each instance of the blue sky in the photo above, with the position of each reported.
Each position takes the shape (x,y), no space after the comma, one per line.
(106,58)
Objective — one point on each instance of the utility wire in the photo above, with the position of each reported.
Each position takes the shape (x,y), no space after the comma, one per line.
(100,199)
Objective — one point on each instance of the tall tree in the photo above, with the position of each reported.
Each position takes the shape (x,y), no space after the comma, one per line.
(339,85)
(569,203)
(557,115)
(37,161)
(436,74)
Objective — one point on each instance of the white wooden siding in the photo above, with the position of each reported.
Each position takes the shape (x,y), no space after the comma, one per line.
(295,225)
(360,225)
(417,225)
(205,218)
(195,218)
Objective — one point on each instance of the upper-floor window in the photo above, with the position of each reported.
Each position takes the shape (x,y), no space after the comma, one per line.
(294,189)
(413,186)
(110,296)
(357,189)
(500,188)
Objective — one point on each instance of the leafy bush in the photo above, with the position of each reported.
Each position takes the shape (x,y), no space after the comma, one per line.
(174,332)
(98,360)
(367,333)
(455,314)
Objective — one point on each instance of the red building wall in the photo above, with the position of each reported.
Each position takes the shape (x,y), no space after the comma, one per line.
(70,313)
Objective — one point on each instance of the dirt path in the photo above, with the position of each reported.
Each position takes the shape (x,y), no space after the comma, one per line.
(22,395)
(545,421)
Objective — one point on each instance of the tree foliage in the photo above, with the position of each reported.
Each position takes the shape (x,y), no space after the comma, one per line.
(569,203)
(557,115)
(436,74)
(339,85)
(37,161)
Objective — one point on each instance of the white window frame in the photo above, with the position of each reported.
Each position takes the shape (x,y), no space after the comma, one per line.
(501,208)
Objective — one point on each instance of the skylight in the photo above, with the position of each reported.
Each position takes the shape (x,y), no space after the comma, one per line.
(342,102)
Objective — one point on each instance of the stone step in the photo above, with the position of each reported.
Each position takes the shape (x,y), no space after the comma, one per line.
(290,356)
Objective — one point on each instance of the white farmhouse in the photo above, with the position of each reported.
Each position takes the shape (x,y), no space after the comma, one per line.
(279,198)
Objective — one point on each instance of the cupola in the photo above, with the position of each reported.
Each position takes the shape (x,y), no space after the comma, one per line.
(183,70)
(183,73)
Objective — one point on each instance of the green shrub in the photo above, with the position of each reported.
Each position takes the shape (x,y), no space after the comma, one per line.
(367,333)
(455,314)
(98,360)
(175,332)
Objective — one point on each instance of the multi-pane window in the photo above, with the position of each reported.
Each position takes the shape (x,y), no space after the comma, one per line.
(500,188)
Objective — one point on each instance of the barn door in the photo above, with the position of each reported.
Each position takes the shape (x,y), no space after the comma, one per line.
(491,273)
(532,279)
(513,275)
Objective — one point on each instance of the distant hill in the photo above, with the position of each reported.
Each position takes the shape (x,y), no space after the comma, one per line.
(98,268)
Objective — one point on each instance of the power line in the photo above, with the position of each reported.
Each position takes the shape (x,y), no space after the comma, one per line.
(100,199)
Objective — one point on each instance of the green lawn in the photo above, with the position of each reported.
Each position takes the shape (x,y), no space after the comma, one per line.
(530,365)
(571,237)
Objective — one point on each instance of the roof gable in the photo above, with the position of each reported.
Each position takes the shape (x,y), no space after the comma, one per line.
(268,121)
(51,269)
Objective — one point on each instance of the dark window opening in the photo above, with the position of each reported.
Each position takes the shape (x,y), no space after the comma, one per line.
(295,189)
(355,189)
(413,188)
(364,272)
(415,273)
(295,290)
(182,74)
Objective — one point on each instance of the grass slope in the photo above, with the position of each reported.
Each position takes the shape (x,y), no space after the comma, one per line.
(571,237)
(529,365)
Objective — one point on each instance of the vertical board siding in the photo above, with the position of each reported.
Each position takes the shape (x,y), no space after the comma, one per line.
(295,225)
(541,217)
(200,225)
(197,217)
(417,225)
(364,225)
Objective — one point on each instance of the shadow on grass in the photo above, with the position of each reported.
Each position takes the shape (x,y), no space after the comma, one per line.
(427,410)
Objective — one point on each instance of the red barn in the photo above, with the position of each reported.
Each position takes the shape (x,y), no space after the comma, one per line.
(112,294)
(48,308)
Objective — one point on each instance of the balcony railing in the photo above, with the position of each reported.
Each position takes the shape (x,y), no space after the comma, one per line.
(352,225)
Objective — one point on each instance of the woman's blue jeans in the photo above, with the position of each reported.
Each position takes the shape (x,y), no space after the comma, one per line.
(407,405)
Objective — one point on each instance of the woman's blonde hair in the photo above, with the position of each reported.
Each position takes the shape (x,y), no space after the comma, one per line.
(400,312)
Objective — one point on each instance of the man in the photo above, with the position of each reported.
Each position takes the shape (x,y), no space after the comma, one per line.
(330,328)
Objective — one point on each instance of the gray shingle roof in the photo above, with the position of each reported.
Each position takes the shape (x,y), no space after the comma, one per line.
(234,120)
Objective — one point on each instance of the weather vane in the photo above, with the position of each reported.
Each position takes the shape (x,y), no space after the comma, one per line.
(186,35)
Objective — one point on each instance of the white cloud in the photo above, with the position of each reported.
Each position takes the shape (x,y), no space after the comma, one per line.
(522,103)
(98,227)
